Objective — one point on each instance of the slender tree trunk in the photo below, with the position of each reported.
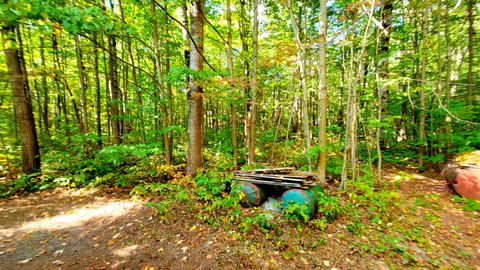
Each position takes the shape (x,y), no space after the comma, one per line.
(46,99)
(168,55)
(21,97)
(113,87)
(233,105)
(470,51)
(161,90)
(423,110)
(82,85)
(300,62)
(97,94)
(322,93)
(195,93)
(62,95)
(448,60)
(253,86)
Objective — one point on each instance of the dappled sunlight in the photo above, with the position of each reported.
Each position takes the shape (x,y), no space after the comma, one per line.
(74,217)
(126,251)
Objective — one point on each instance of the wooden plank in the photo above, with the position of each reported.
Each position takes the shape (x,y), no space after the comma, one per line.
(271,177)
(263,182)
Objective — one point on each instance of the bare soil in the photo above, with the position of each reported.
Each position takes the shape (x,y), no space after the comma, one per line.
(108,229)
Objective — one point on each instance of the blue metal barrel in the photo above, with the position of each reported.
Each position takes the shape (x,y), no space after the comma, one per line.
(253,195)
(300,202)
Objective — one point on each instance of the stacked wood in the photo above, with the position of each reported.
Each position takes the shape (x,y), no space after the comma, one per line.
(284,177)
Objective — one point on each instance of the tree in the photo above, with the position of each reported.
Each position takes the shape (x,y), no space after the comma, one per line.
(18,78)
(195,92)
(322,93)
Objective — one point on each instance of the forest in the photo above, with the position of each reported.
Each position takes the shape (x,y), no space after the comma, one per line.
(152,105)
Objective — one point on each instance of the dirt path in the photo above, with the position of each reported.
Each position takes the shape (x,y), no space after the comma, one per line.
(107,229)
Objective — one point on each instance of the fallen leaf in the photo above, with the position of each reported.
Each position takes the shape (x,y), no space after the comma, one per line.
(58,253)
(326,263)
(184,249)
(179,242)
(209,256)
(57,263)
(25,261)
(184,258)
(193,228)
(116,236)
(148,268)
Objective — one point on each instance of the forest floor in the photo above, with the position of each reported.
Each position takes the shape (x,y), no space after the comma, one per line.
(109,229)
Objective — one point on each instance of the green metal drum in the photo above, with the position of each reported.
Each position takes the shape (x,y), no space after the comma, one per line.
(300,202)
(253,195)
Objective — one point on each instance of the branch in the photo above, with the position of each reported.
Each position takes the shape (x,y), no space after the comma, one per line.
(187,31)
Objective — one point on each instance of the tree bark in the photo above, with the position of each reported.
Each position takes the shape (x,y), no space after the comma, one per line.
(113,87)
(161,90)
(470,52)
(322,93)
(98,95)
(82,85)
(300,62)
(195,93)
(423,110)
(253,86)
(233,105)
(18,78)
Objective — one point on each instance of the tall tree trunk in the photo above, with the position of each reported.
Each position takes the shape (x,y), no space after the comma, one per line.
(423,109)
(195,93)
(46,100)
(160,86)
(387,8)
(253,86)
(82,85)
(322,93)
(470,52)
(168,55)
(97,94)
(18,78)
(233,105)
(300,62)
(113,87)
(448,60)
(61,90)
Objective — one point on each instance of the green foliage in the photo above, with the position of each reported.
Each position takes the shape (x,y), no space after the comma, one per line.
(469,205)
(27,183)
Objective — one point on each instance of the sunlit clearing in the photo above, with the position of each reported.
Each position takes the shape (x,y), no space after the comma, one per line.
(126,251)
(75,217)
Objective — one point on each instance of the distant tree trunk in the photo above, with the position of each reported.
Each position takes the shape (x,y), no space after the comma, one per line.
(322,93)
(82,85)
(253,86)
(300,62)
(161,90)
(168,55)
(387,8)
(46,99)
(18,78)
(448,60)
(113,87)
(195,93)
(62,95)
(423,109)
(97,94)
(233,106)
(470,51)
